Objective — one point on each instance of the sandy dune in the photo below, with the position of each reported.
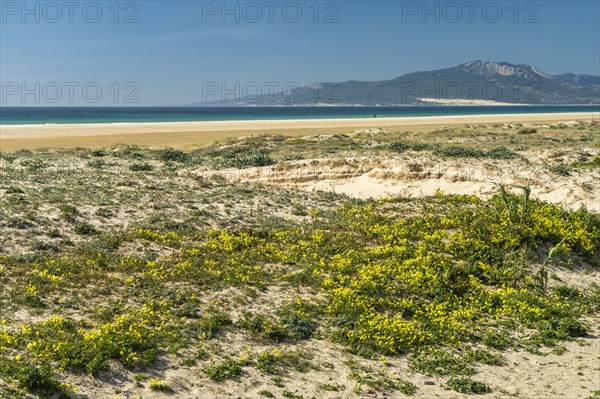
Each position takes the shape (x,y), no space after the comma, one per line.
(416,174)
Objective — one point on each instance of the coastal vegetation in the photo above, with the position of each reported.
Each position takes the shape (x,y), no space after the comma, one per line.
(142,261)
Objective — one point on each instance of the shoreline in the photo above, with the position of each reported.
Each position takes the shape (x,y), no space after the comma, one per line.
(535,115)
(193,134)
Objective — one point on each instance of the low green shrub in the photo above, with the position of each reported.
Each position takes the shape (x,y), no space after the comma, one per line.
(229,369)
(172,155)
(433,361)
(468,386)
(141,167)
(85,229)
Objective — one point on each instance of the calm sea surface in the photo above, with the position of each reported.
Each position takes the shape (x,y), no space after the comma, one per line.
(45,115)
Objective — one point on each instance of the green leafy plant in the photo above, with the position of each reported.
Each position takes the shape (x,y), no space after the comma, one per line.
(141,167)
(468,386)
(229,369)
(156,384)
(85,229)
(172,155)
(432,361)
(560,169)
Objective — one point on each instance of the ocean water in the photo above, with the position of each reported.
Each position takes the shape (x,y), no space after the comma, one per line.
(69,115)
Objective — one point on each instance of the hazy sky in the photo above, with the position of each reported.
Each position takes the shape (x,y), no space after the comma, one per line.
(170,51)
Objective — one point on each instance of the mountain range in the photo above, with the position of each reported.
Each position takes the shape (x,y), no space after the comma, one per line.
(476,81)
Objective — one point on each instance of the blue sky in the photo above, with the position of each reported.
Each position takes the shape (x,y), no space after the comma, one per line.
(171,49)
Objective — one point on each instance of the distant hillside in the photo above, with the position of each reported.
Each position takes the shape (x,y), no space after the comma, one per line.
(476,80)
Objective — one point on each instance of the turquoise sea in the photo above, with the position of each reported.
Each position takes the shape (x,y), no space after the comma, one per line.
(59,115)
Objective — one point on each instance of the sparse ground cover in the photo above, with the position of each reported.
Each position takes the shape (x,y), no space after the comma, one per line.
(133,272)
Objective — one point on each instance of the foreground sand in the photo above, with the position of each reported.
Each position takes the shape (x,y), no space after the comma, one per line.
(191,134)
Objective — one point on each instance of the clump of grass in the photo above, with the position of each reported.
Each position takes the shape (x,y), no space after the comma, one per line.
(433,361)
(293,157)
(297,328)
(267,361)
(527,130)
(560,169)
(454,151)
(32,378)
(500,153)
(158,385)
(242,157)
(8,157)
(406,387)
(420,147)
(213,323)
(468,386)
(559,350)
(68,209)
(379,380)
(130,152)
(289,326)
(14,190)
(229,369)
(44,246)
(263,327)
(466,152)
(299,210)
(141,167)
(85,229)
(333,387)
(565,328)
(277,361)
(458,152)
(172,155)
(139,377)
(104,212)
(291,395)
(595,394)
(499,340)
(34,164)
(98,153)
(399,146)
(566,292)
(484,357)
(593,164)
(96,164)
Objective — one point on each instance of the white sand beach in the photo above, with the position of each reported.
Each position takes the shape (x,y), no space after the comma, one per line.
(191,134)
